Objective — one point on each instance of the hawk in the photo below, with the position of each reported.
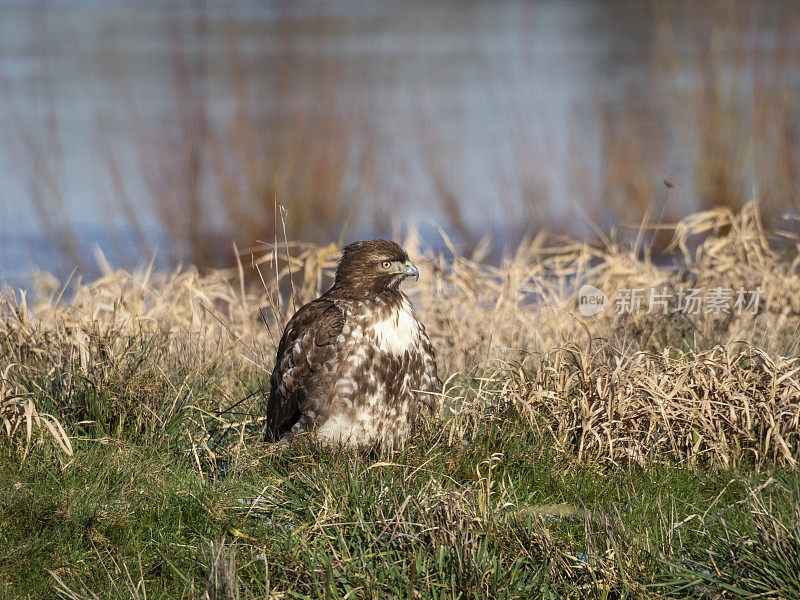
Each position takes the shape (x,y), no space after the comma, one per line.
(355,366)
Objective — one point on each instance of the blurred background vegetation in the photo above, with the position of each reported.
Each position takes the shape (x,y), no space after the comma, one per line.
(183,127)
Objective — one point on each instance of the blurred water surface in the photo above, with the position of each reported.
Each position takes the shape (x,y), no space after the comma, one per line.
(138,124)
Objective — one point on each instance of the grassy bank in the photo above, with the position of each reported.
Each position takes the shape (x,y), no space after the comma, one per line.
(625,454)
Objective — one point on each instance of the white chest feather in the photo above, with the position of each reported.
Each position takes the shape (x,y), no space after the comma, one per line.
(398,332)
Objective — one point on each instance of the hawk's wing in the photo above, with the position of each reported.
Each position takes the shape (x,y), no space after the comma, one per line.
(307,345)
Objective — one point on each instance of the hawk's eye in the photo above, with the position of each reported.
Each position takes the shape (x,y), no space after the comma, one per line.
(386,264)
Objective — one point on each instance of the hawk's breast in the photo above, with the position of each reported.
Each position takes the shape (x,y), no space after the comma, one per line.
(397,332)
(373,394)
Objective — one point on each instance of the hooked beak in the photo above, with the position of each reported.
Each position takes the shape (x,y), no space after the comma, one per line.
(411,270)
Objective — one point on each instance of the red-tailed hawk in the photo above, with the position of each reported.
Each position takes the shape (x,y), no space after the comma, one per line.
(355,366)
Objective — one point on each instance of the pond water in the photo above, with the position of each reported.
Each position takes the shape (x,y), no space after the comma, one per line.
(127,124)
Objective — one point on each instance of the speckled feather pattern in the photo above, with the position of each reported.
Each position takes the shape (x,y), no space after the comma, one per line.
(355,371)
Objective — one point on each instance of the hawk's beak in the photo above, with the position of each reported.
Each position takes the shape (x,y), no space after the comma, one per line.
(411,270)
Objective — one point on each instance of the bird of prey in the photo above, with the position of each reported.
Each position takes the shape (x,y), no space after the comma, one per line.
(355,366)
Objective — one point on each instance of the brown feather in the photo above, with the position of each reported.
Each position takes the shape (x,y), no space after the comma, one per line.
(355,364)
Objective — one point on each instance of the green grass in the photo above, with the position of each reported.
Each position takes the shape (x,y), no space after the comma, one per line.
(434,521)
(573,458)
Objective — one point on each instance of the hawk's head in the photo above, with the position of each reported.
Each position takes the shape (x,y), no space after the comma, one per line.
(369,268)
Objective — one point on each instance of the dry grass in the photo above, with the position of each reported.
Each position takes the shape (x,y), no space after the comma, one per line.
(17,404)
(158,381)
(720,388)
(639,387)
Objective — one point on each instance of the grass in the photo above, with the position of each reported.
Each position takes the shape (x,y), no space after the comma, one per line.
(506,516)
(619,455)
